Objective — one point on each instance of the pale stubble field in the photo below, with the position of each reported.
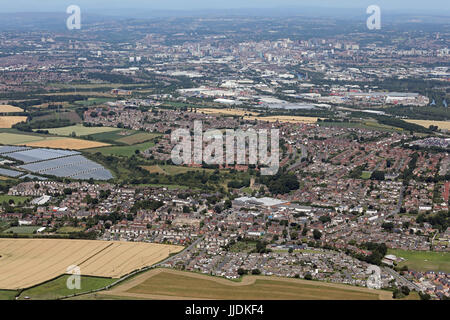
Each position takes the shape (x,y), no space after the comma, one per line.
(28,262)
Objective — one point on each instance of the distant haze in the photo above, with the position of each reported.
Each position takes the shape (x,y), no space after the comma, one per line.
(117,7)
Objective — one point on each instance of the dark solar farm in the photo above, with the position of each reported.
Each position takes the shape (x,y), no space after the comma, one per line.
(53,162)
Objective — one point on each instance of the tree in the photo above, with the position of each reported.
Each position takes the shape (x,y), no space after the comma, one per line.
(317,234)
(325,219)
(308,276)
(241,271)
(377,175)
(304,231)
(405,290)
(388,226)
(256,271)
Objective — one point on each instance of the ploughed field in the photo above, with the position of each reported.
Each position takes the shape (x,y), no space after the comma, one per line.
(28,262)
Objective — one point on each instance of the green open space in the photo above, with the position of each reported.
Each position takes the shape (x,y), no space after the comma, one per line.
(22,229)
(369,125)
(124,151)
(16,199)
(8,294)
(69,229)
(58,288)
(423,260)
(366,175)
(18,139)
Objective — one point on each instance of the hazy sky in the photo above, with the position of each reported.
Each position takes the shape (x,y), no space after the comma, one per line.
(429,6)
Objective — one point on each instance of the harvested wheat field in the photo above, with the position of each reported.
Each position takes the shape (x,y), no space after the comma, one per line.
(290,119)
(67,143)
(229,112)
(9,121)
(5,108)
(173,285)
(28,262)
(427,123)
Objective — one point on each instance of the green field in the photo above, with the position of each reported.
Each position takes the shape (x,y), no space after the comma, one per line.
(66,115)
(57,288)
(189,286)
(167,186)
(92,101)
(7,294)
(369,125)
(80,130)
(13,138)
(139,137)
(17,199)
(22,229)
(424,260)
(366,175)
(173,170)
(124,151)
(69,230)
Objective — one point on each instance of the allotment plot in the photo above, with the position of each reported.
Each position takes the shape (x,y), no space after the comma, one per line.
(28,262)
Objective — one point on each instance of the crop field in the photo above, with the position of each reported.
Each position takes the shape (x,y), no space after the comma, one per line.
(27,262)
(124,151)
(21,139)
(172,284)
(427,123)
(369,125)
(9,121)
(227,111)
(423,260)
(4,108)
(67,115)
(57,288)
(92,101)
(289,119)
(79,130)
(138,138)
(67,143)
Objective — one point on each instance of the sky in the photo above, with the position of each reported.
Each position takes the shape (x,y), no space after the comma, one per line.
(105,6)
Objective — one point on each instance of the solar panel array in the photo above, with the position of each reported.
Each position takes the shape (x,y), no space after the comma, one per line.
(34,155)
(54,162)
(32,176)
(8,149)
(10,173)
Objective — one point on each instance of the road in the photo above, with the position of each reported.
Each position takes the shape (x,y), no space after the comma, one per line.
(304,155)
(193,244)
(402,280)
